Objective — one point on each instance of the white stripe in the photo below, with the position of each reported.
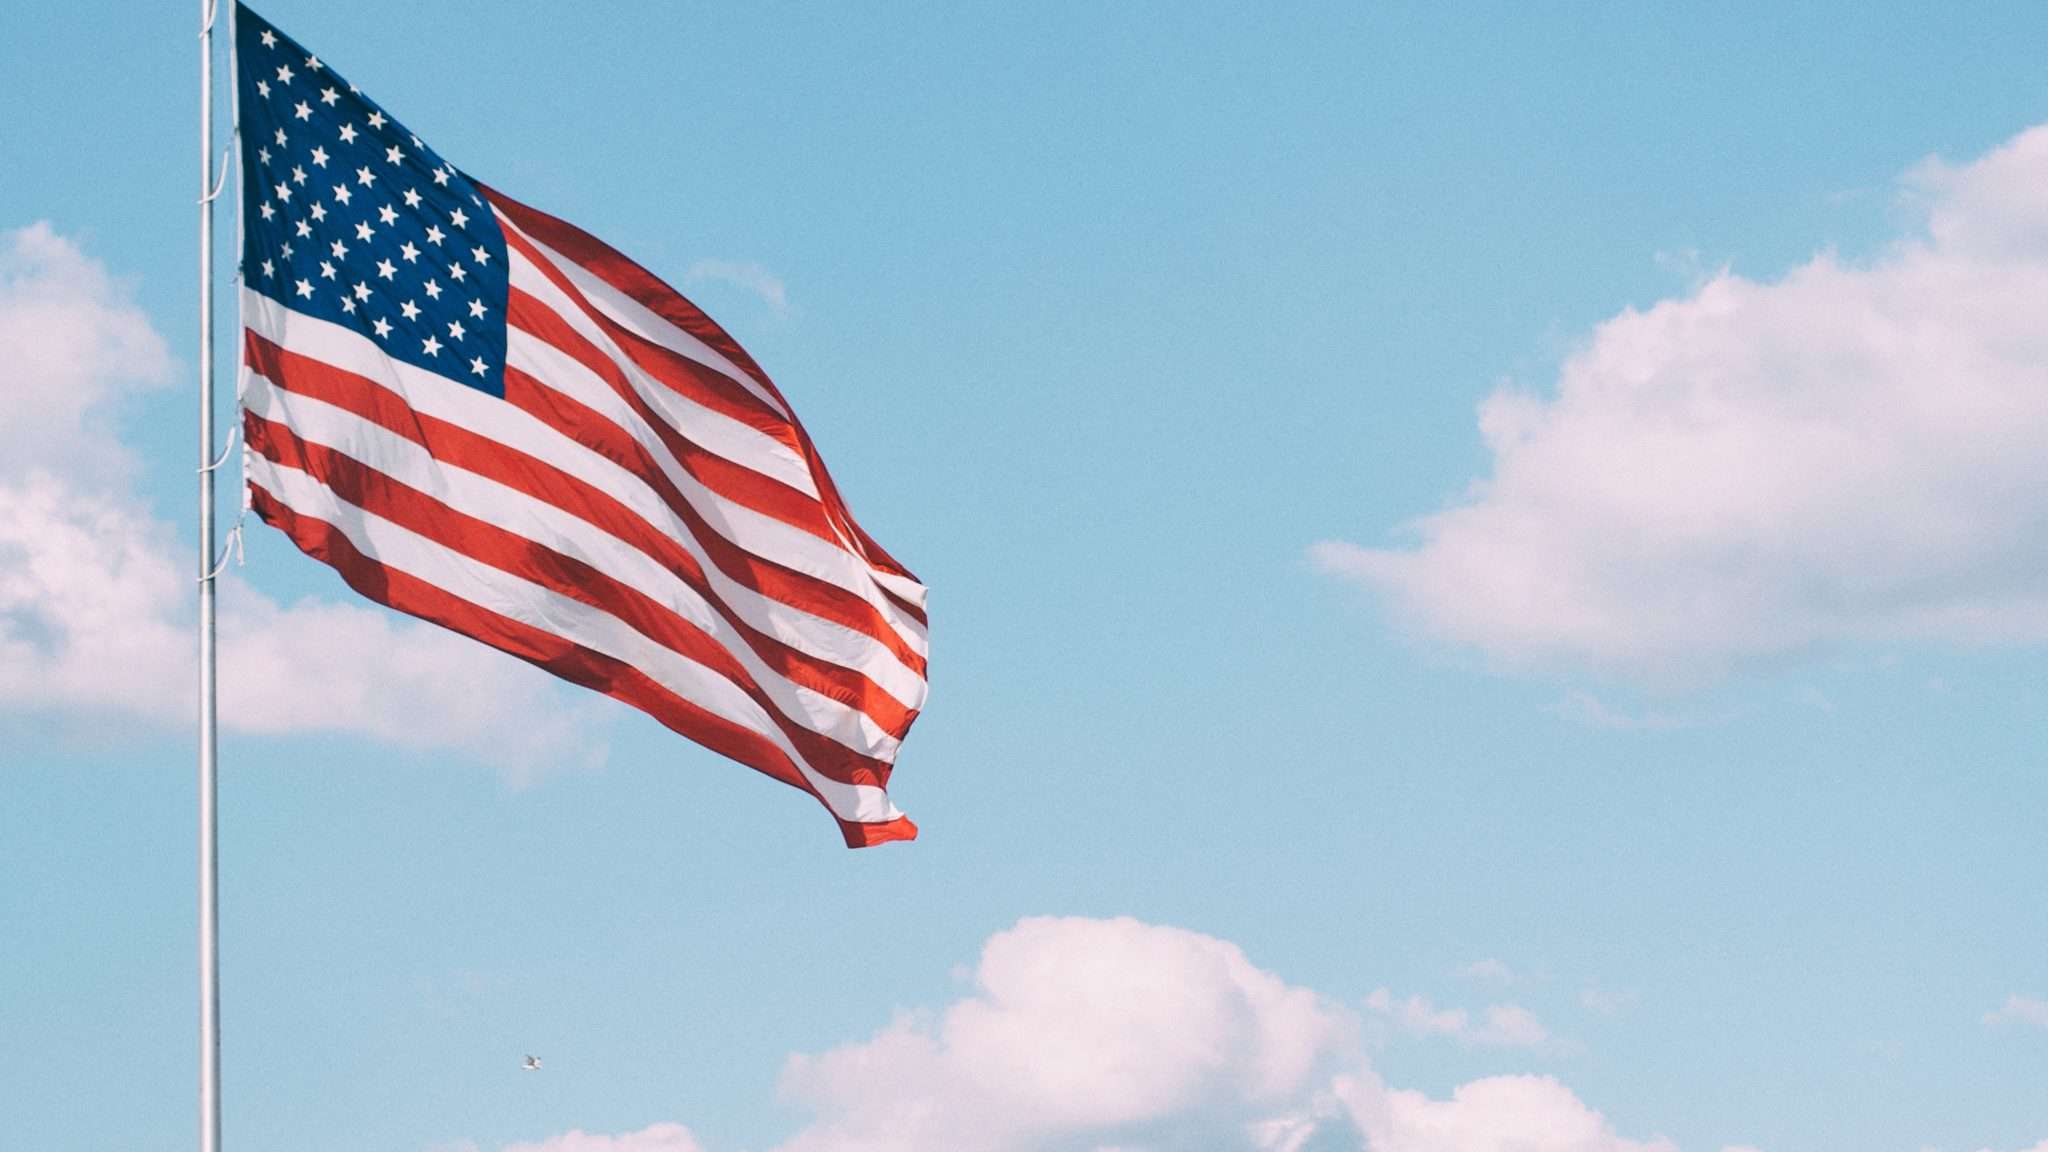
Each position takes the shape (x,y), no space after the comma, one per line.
(762,536)
(530,604)
(714,431)
(500,506)
(903,586)
(642,321)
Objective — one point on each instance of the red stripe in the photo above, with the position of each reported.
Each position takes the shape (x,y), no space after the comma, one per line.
(461,448)
(637,283)
(406,506)
(571,662)
(869,835)
(736,482)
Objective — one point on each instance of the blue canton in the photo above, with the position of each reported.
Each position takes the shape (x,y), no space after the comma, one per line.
(349,217)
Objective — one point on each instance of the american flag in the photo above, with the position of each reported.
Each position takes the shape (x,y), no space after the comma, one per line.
(487,418)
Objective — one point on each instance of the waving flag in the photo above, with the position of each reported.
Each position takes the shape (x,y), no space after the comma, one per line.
(482,416)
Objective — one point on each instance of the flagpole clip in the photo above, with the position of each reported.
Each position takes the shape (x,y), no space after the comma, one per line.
(220,181)
(232,548)
(234,432)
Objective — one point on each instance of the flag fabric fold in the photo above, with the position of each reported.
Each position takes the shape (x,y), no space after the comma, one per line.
(483,416)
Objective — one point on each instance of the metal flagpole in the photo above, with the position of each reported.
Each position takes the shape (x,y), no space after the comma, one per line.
(209,855)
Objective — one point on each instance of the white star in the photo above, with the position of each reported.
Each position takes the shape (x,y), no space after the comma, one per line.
(459,218)
(441,176)
(326,270)
(392,155)
(284,73)
(382,326)
(376,119)
(339,249)
(306,289)
(287,250)
(433,290)
(341,193)
(263,87)
(455,329)
(319,157)
(348,304)
(456,271)
(302,111)
(476,309)
(416,142)
(263,155)
(388,215)
(363,230)
(480,255)
(388,270)
(431,347)
(269,270)
(319,210)
(280,137)
(269,38)
(365,177)
(411,253)
(434,234)
(266,210)
(412,198)
(411,310)
(298,174)
(304,228)
(328,96)
(348,133)
(476,199)
(362,290)
(477,366)
(313,62)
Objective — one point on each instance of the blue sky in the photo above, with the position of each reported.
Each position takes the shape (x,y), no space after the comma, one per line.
(1701,742)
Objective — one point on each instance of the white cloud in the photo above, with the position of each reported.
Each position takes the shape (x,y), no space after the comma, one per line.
(1498,1026)
(1087,1035)
(746,275)
(1497,1114)
(71,345)
(1851,452)
(96,595)
(655,1138)
(2019,1009)
(1080,1032)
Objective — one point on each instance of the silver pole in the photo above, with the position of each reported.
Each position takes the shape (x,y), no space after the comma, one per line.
(209,852)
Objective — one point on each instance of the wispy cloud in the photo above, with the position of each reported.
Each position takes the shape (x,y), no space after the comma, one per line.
(743,274)
(1606,1001)
(1496,1026)
(1757,469)
(1492,971)
(1582,707)
(2017,1009)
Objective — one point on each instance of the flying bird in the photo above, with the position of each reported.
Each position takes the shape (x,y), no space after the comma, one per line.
(532,1064)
